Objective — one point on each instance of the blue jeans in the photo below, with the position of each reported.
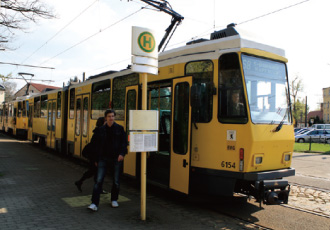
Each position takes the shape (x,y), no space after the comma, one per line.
(116,169)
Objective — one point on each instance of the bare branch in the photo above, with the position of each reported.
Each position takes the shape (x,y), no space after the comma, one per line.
(15,14)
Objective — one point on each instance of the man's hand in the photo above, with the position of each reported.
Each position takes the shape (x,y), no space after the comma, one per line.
(120,158)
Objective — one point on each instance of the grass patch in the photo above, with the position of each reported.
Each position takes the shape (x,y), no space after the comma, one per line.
(315,147)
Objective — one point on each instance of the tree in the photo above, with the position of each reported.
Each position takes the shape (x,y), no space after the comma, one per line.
(73,80)
(15,14)
(296,87)
(10,87)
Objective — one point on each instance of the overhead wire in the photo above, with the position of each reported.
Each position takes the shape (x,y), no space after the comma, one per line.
(57,33)
(206,32)
(101,30)
(273,12)
(89,37)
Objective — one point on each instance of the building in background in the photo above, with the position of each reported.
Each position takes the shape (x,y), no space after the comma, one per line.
(326,106)
(316,115)
(33,88)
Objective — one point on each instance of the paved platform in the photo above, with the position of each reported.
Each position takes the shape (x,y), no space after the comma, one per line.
(37,192)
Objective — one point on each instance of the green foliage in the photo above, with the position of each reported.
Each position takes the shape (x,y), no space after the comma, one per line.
(299,113)
(315,147)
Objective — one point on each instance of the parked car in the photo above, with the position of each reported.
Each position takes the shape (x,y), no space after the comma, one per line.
(296,130)
(302,131)
(317,135)
(321,126)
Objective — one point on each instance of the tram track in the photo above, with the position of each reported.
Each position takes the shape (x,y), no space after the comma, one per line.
(309,196)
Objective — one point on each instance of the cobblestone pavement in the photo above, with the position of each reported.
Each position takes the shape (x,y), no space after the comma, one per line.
(310,199)
(37,193)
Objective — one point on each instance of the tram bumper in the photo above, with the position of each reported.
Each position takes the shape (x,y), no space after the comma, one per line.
(269,189)
(273,191)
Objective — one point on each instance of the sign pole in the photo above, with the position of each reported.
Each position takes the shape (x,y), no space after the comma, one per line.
(144,154)
(144,61)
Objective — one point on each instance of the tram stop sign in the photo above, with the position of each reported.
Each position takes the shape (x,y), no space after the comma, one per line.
(144,51)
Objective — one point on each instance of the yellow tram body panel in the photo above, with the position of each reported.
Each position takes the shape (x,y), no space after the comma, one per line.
(40,126)
(79,122)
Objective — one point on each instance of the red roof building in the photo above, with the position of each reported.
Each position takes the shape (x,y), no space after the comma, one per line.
(34,88)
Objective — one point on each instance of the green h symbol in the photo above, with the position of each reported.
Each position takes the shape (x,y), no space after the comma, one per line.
(145,41)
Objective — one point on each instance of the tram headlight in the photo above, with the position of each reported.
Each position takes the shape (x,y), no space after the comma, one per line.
(258,160)
(287,157)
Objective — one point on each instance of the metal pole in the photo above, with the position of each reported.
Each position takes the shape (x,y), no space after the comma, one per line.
(306,113)
(144,154)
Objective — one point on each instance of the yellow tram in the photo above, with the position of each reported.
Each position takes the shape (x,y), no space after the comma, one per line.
(225,124)
(47,120)
(205,146)
(14,116)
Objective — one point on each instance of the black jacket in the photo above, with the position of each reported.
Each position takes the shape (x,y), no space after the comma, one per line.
(119,141)
(89,150)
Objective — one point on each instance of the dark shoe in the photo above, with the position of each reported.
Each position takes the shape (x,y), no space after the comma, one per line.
(78,184)
(104,192)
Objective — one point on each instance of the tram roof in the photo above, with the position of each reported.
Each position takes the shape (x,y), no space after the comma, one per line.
(229,39)
(235,41)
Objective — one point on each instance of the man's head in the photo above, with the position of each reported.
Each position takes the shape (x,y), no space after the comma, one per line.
(109,116)
(235,97)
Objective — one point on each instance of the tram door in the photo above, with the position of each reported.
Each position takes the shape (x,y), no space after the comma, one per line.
(51,123)
(180,135)
(158,163)
(131,100)
(30,121)
(81,123)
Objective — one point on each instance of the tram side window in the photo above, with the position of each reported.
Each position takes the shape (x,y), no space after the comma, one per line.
(11,110)
(24,103)
(58,113)
(100,98)
(43,106)
(72,98)
(19,104)
(232,105)
(202,73)
(118,93)
(6,112)
(181,118)
(37,107)
(29,109)
(161,100)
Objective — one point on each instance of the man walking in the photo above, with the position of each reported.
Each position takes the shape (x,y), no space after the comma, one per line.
(111,149)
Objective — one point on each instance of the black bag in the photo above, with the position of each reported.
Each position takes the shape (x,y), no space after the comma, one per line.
(88,151)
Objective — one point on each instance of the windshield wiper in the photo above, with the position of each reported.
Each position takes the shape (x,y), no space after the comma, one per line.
(279,127)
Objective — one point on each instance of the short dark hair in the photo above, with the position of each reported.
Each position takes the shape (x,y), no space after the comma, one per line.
(100,122)
(109,111)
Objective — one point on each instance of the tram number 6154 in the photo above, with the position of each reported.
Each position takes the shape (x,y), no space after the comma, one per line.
(225,164)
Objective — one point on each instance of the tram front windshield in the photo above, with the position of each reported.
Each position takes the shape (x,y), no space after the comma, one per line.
(267,90)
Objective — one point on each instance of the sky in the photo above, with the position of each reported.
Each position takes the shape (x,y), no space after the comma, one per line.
(94,36)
